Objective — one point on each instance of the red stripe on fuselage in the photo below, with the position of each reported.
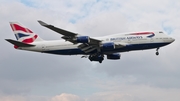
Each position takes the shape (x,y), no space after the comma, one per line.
(16,27)
(142,33)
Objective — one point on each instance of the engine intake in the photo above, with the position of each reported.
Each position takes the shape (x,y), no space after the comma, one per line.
(108,46)
(114,56)
(82,39)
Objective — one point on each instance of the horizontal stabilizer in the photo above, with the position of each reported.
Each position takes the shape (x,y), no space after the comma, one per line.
(19,44)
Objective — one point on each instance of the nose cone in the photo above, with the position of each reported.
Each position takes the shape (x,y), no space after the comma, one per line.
(172,40)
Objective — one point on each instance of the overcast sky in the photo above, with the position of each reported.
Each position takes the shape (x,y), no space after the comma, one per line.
(138,76)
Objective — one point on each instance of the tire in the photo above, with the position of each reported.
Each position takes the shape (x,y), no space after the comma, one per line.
(157,53)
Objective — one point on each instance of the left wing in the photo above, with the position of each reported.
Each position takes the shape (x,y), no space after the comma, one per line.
(92,44)
(88,44)
(67,35)
(58,30)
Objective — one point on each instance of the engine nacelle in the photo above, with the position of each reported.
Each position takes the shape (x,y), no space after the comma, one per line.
(82,39)
(114,56)
(108,46)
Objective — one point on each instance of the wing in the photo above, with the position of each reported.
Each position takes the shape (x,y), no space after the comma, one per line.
(58,30)
(67,35)
(91,45)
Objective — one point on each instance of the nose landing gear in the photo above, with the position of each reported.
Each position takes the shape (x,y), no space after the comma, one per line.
(157,53)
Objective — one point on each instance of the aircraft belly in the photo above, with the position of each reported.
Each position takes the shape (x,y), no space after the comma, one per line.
(131,47)
(74,51)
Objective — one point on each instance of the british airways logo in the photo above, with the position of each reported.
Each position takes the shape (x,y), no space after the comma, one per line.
(136,36)
(126,38)
(150,34)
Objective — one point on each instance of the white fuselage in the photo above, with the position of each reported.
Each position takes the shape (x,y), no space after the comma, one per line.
(128,40)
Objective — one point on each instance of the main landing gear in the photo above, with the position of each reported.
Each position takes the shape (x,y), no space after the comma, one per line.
(157,53)
(97,57)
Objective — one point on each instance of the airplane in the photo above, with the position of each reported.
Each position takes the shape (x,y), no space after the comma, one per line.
(94,48)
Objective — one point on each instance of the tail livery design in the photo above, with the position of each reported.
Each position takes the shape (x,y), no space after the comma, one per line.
(24,34)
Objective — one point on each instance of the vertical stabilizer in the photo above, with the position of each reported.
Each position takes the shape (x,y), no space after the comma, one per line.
(23,34)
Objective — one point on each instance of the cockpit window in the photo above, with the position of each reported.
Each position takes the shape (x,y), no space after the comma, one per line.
(160,32)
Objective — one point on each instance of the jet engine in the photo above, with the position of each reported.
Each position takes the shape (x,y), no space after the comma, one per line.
(114,56)
(82,39)
(108,46)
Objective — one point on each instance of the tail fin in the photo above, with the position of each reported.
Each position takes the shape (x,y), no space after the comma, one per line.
(23,34)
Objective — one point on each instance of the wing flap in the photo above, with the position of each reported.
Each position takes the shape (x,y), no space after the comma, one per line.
(94,41)
(90,50)
(87,48)
(120,44)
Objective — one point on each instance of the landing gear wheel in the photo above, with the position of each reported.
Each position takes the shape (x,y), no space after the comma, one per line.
(98,58)
(157,53)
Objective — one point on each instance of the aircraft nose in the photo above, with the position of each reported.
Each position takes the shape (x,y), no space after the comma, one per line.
(172,39)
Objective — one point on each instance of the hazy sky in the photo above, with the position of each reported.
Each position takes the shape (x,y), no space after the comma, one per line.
(138,76)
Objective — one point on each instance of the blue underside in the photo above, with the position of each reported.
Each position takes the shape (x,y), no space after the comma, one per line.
(124,49)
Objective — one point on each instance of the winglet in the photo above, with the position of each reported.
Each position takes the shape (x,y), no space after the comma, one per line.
(58,30)
(42,23)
